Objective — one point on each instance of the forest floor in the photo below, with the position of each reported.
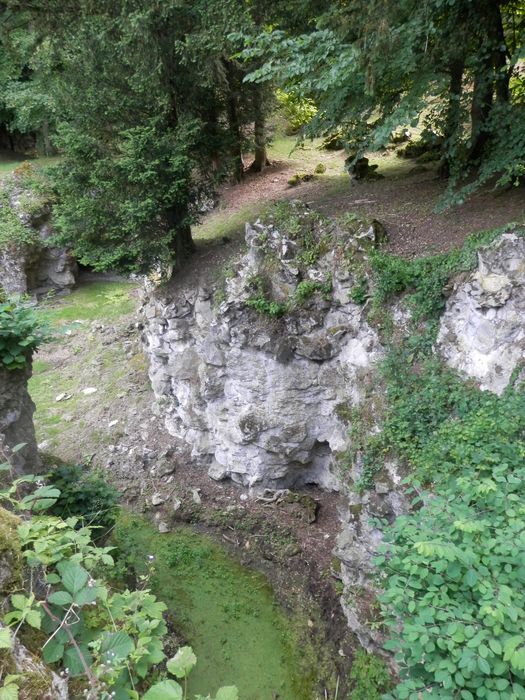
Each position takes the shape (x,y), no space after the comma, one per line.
(404,199)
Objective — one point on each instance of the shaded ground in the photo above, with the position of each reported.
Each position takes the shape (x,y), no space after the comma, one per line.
(404,200)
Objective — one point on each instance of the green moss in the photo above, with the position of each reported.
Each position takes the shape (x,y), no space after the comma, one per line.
(225,611)
(10,553)
(12,230)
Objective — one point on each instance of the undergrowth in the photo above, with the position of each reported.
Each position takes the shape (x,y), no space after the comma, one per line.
(452,568)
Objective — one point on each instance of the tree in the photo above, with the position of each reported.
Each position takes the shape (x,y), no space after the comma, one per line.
(373,66)
(134,129)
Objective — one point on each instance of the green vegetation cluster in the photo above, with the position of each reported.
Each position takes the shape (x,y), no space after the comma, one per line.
(106,638)
(313,236)
(452,569)
(34,194)
(21,332)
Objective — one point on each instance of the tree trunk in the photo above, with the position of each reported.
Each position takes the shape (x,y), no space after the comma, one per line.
(45,138)
(482,100)
(261,156)
(234,122)
(456,69)
(183,244)
(499,56)
(491,79)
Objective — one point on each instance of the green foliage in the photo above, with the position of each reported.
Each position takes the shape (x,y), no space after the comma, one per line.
(112,640)
(297,111)
(424,279)
(360,290)
(451,569)
(266,307)
(22,331)
(454,566)
(307,288)
(33,194)
(369,677)
(371,67)
(84,493)
(12,230)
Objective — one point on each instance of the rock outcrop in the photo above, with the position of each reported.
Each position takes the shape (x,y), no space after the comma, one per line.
(262,378)
(29,263)
(482,332)
(358,543)
(16,420)
(253,380)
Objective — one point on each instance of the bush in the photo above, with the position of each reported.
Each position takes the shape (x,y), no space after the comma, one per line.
(298,111)
(369,677)
(21,332)
(454,595)
(86,494)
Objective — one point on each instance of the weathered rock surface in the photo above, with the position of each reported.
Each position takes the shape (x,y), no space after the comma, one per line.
(35,267)
(263,399)
(482,332)
(257,396)
(358,543)
(16,419)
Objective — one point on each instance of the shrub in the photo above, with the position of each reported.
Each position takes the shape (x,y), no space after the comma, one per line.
(298,111)
(85,494)
(110,642)
(454,595)
(21,332)
(369,677)
(12,230)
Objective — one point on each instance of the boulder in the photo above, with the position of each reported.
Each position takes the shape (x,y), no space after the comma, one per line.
(482,332)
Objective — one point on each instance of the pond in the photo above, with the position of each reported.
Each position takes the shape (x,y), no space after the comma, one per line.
(226,612)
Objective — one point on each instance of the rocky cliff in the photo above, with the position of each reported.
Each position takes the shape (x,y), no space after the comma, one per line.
(262,374)
(29,263)
(257,377)
(482,332)
(16,420)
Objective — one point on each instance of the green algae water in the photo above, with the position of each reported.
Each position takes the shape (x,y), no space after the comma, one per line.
(226,612)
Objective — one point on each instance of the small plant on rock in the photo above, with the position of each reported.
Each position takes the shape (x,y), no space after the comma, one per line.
(21,332)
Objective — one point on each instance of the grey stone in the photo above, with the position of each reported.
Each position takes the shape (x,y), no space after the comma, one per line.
(256,400)
(16,420)
(482,332)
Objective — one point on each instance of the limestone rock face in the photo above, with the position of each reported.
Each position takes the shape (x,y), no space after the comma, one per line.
(16,419)
(358,543)
(34,266)
(482,332)
(257,393)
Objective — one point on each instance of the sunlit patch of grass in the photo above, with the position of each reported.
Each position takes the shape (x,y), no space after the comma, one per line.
(9,162)
(92,301)
(223,223)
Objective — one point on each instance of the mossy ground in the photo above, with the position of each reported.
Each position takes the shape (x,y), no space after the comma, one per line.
(225,611)
(79,358)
